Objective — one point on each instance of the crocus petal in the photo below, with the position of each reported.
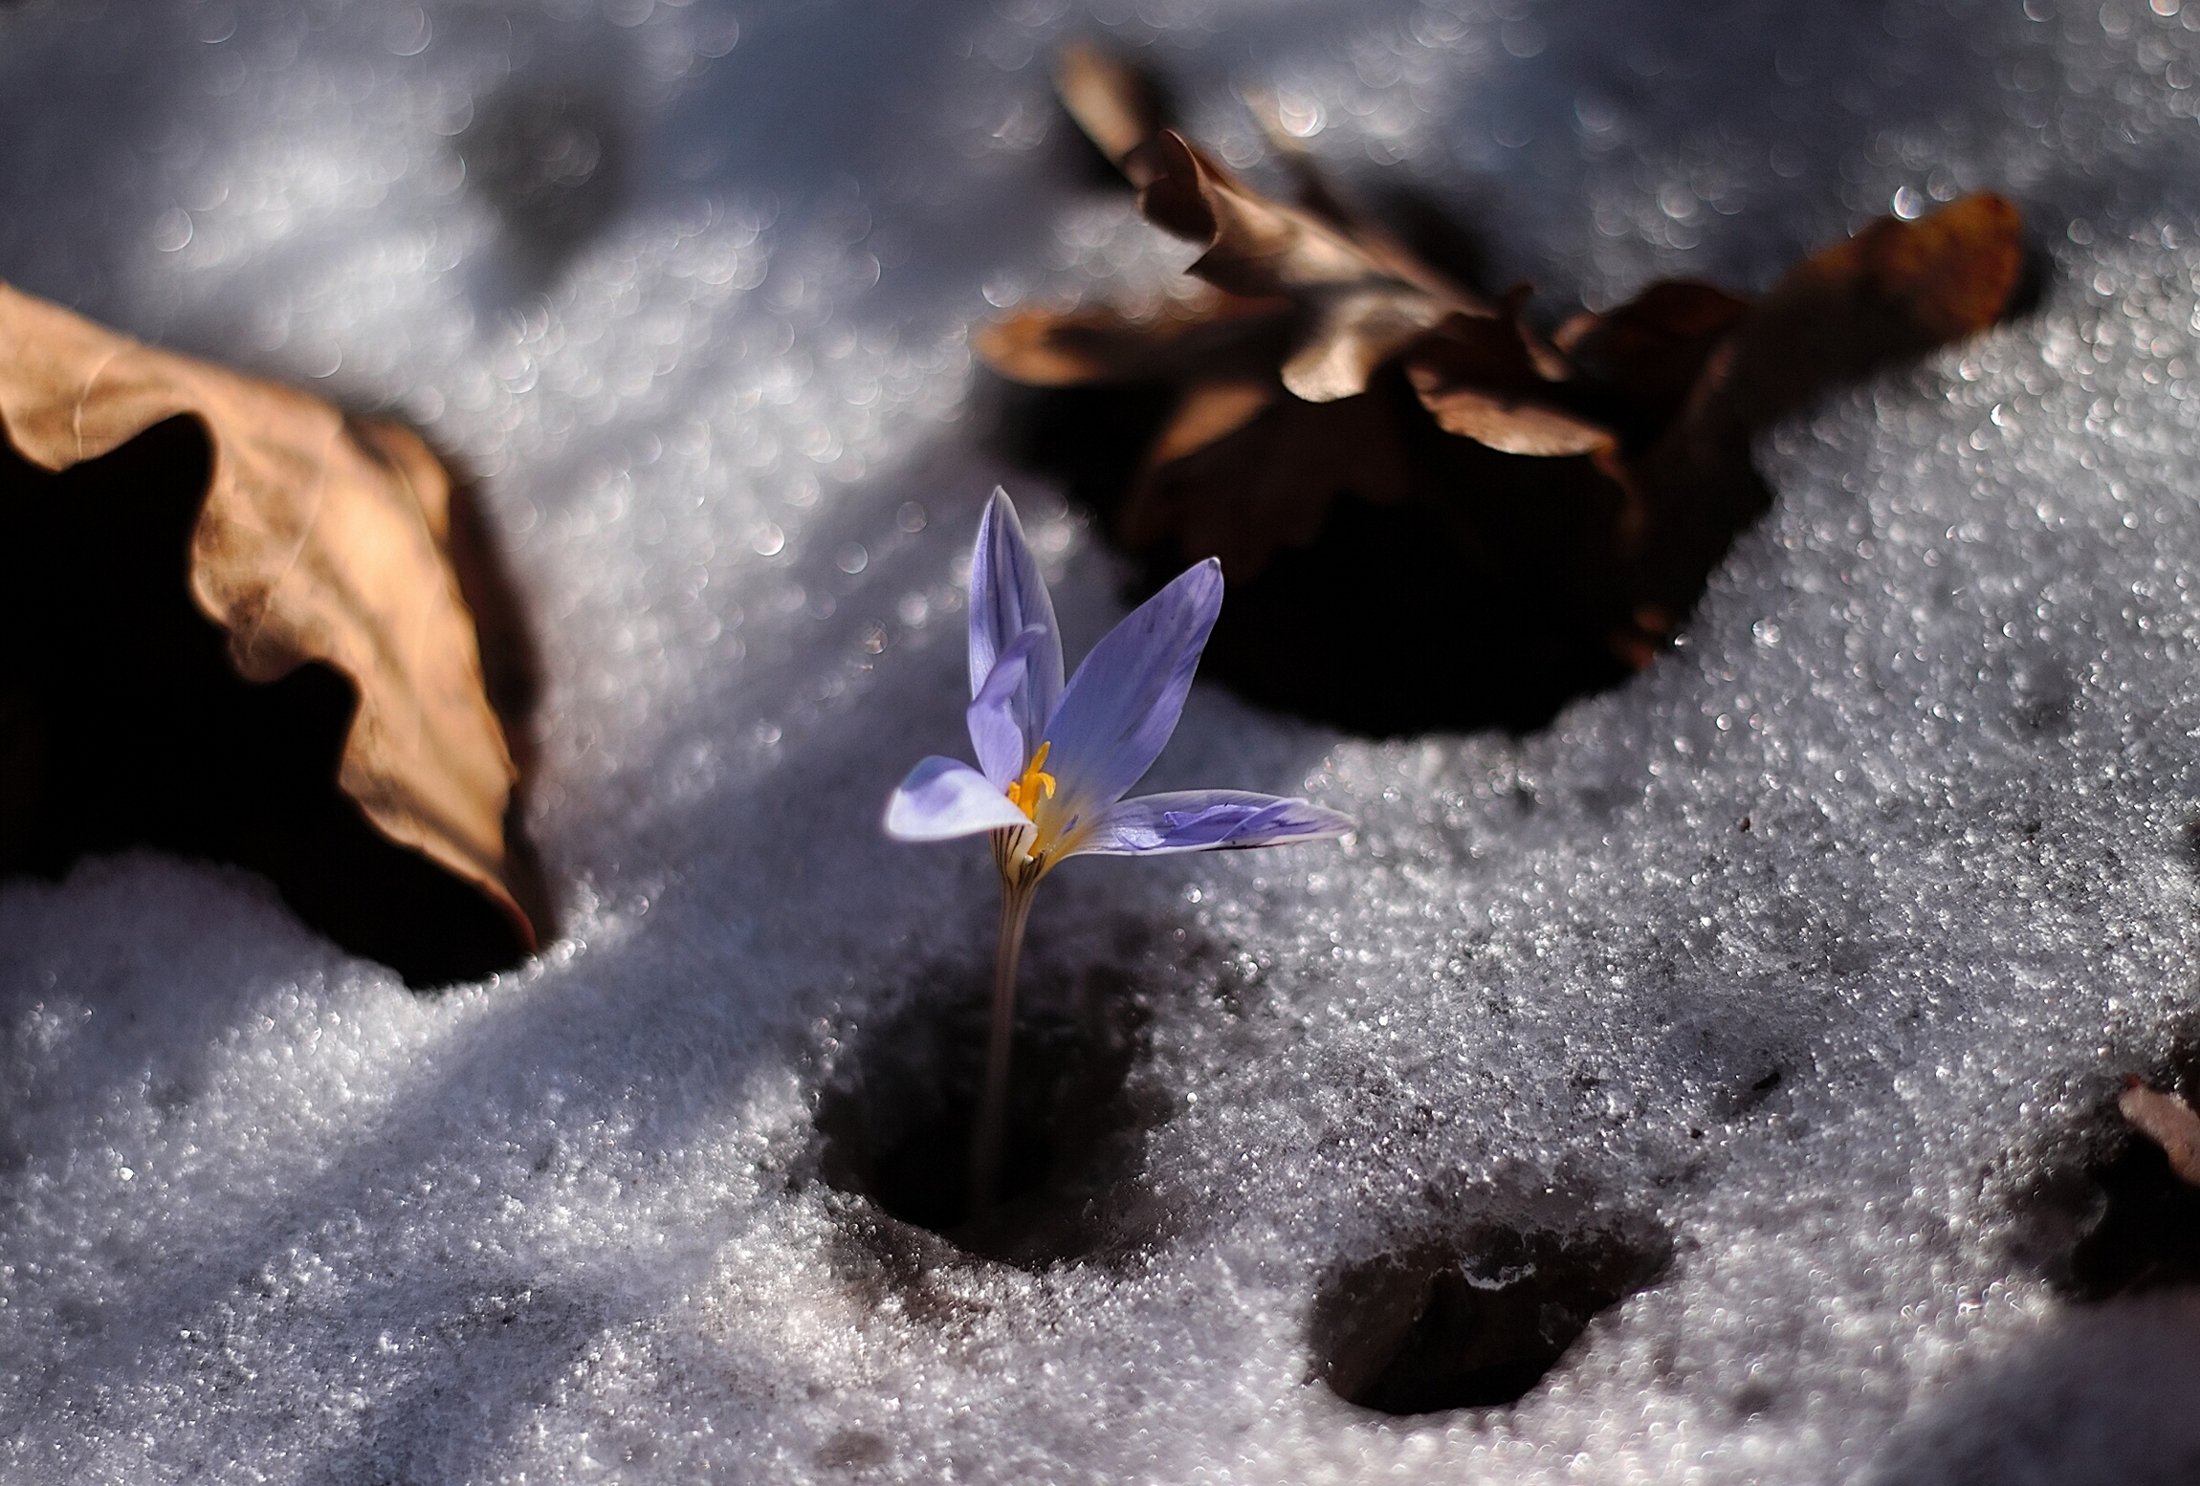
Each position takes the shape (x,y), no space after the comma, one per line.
(1007,597)
(944,798)
(996,731)
(1119,709)
(1206,820)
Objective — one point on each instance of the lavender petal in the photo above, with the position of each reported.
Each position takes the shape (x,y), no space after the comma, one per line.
(996,728)
(1118,711)
(1207,820)
(944,798)
(1007,597)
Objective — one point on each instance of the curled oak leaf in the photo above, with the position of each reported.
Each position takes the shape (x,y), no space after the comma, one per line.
(1301,304)
(1343,295)
(2168,1121)
(1332,389)
(1361,300)
(1359,294)
(314,543)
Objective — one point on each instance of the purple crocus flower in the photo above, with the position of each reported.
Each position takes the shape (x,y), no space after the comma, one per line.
(1055,760)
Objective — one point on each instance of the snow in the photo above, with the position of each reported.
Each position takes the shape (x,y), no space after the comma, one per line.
(1805,964)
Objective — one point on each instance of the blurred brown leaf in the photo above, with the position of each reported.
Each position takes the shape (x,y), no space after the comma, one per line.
(2169,1122)
(1321,361)
(313,541)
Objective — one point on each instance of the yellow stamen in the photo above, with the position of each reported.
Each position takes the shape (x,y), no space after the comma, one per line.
(1036,785)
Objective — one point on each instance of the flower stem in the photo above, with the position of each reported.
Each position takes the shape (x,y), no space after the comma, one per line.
(986,1140)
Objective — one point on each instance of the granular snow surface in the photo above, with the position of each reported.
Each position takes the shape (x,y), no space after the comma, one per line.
(1799,971)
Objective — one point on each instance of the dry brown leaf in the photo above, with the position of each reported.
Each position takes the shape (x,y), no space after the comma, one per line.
(1191,338)
(319,540)
(1300,305)
(1361,298)
(1330,367)
(1649,352)
(1894,290)
(1117,106)
(1478,380)
(2169,1122)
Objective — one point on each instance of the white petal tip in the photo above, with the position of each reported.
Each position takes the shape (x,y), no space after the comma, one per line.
(945,798)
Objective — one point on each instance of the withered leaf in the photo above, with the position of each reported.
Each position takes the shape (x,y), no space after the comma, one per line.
(1358,308)
(1649,352)
(1585,484)
(314,542)
(1117,106)
(1479,380)
(1894,290)
(1360,295)
(2169,1122)
(1217,333)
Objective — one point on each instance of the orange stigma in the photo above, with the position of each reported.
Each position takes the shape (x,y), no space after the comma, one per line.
(1036,785)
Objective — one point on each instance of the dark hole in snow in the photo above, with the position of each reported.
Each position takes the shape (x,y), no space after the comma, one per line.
(895,1120)
(1476,1320)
